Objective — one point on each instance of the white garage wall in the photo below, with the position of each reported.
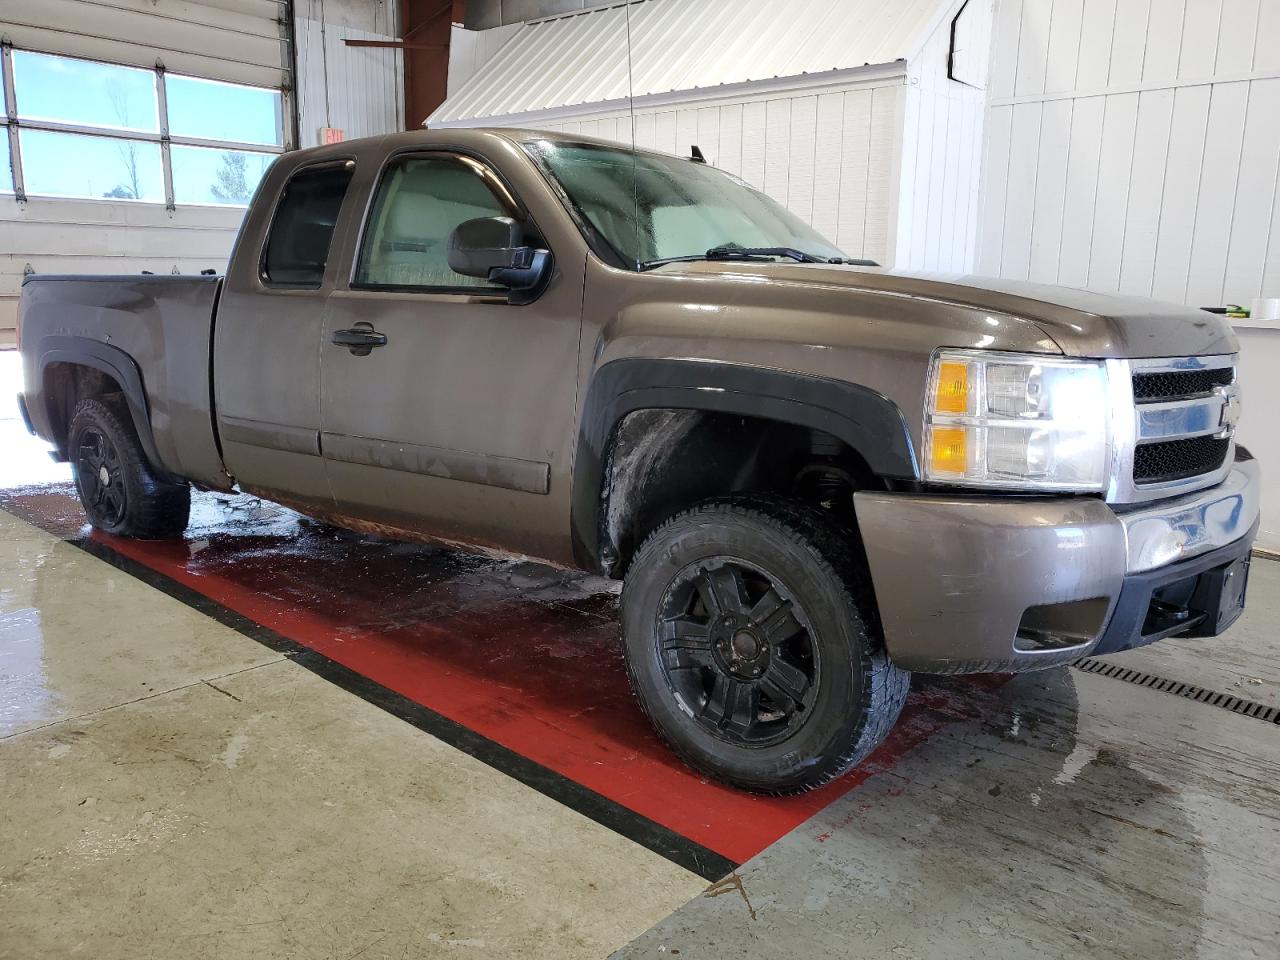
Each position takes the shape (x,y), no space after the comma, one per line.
(830,156)
(360,90)
(1134,146)
(942,146)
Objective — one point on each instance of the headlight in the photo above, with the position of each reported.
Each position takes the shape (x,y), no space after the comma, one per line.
(1016,421)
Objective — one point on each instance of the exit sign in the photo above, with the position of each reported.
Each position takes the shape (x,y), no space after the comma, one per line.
(332,135)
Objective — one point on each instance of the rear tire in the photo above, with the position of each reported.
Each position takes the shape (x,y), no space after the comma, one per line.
(752,644)
(118,488)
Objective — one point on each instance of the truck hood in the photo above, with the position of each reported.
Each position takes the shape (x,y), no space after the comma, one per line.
(1082,323)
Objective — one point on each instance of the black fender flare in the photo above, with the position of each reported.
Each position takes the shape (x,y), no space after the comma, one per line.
(867,421)
(116,364)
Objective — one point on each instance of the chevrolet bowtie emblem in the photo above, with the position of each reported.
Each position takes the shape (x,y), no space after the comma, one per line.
(1230,410)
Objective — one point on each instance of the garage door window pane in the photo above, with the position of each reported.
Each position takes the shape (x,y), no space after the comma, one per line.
(302,231)
(203,175)
(210,110)
(73,165)
(84,92)
(418,205)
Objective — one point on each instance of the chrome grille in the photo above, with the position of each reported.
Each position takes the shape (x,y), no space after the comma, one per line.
(1179,384)
(1160,408)
(1178,459)
(1185,412)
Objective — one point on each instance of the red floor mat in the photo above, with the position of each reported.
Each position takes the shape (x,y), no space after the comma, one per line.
(523,654)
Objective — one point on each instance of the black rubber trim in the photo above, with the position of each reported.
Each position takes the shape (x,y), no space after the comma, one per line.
(661,840)
(119,366)
(26,417)
(1124,630)
(1189,691)
(867,421)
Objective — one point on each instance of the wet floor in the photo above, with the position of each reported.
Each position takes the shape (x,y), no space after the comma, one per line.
(272,739)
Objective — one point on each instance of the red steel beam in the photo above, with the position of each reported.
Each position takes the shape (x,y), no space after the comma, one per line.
(425,32)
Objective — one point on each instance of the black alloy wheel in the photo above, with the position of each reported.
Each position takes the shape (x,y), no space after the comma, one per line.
(738,650)
(121,491)
(100,478)
(753,644)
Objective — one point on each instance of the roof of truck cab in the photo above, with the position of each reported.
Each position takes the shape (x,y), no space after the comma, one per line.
(464,137)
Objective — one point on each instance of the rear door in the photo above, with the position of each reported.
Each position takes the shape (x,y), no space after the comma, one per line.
(268,333)
(460,425)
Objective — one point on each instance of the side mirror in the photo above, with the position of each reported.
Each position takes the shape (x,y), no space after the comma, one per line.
(493,248)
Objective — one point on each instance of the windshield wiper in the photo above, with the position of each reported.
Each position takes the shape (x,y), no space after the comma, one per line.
(732,251)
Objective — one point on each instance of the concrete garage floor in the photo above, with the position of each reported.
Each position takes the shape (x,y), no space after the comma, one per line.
(208,750)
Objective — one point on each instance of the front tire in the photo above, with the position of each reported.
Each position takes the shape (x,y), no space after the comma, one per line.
(752,645)
(119,490)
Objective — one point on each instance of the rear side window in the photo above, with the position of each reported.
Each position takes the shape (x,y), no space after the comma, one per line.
(419,203)
(302,231)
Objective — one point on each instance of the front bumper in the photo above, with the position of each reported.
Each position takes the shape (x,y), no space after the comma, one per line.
(989,584)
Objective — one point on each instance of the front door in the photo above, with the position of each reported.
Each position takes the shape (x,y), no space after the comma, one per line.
(448,410)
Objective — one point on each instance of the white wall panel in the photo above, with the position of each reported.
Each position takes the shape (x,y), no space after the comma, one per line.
(1080,196)
(855,171)
(1097,24)
(1063,55)
(942,149)
(1181,193)
(1219,176)
(803,154)
(1146,193)
(1128,46)
(1050,190)
(1253,228)
(1172,162)
(1186,158)
(1164,40)
(357,89)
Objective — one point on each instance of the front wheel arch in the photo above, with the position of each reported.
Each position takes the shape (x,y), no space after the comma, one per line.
(869,425)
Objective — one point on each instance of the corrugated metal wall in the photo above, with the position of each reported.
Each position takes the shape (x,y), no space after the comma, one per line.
(831,156)
(1134,145)
(469,50)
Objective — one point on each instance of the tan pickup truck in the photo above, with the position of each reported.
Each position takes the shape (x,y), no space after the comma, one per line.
(813,476)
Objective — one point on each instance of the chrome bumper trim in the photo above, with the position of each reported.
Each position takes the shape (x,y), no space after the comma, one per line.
(1196,523)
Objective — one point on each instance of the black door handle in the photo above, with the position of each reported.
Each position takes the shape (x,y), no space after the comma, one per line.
(361,339)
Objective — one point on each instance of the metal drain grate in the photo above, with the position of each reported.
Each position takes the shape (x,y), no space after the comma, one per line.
(1246,708)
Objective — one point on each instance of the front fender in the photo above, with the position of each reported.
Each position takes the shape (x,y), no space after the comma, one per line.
(867,421)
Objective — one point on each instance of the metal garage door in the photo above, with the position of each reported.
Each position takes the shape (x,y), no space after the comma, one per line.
(136,131)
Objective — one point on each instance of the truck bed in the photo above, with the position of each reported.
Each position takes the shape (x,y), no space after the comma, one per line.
(164,324)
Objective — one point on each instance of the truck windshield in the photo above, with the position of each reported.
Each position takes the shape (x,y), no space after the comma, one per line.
(652,209)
